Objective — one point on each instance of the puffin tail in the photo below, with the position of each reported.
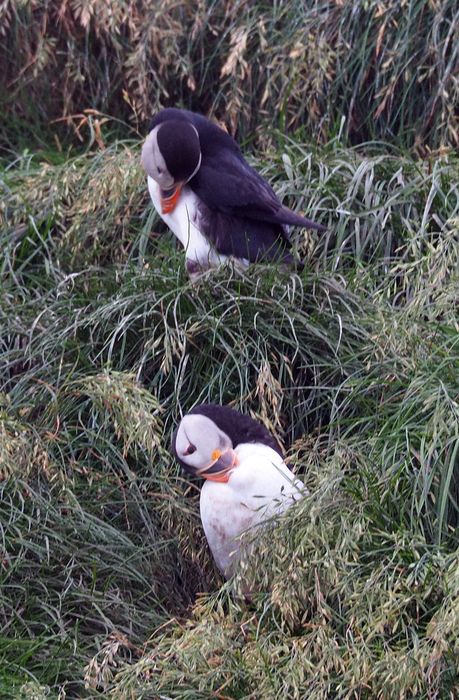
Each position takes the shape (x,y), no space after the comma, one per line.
(288,217)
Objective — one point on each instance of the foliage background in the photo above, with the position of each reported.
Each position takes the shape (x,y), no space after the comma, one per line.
(107,587)
(389,69)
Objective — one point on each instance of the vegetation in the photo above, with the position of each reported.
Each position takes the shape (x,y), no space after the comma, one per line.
(107,588)
(388,69)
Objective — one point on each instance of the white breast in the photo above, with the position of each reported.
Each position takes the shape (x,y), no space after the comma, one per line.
(184,223)
(260,487)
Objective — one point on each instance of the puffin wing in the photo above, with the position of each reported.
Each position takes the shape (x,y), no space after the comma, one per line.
(228,184)
(238,211)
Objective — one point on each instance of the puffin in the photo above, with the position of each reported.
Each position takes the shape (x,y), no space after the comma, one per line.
(246,479)
(214,202)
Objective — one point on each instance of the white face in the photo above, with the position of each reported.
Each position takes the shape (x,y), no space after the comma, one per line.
(197,438)
(154,163)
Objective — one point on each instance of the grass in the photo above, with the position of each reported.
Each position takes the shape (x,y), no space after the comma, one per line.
(370,70)
(107,586)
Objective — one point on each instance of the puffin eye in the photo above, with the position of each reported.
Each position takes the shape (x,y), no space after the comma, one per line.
(160,171)
(190,450)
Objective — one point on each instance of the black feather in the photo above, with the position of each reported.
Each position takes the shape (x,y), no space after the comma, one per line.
(244,237)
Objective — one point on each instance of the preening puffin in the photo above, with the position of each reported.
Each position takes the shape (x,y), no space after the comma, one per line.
(209,196)
(246,479)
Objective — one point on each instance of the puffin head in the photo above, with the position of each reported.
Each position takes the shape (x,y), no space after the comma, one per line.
(171,155)
(203,449)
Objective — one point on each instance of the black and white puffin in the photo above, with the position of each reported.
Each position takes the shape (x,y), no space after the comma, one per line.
(246,479)
(209,196)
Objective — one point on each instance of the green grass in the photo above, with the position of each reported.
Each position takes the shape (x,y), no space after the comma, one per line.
(107,585)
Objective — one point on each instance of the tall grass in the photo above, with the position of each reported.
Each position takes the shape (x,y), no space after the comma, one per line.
(107,588)
(374,70)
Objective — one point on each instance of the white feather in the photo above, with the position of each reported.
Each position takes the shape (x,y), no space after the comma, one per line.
(260,487)
(184,223)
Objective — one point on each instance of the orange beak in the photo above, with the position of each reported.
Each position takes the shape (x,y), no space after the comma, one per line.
(169,203)
(222,464)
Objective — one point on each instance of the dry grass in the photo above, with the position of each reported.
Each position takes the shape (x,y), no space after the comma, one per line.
(370,70)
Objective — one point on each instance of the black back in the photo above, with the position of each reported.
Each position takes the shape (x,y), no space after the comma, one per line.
(239,427)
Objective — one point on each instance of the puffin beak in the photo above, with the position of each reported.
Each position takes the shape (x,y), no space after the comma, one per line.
(221,466)
(169,198)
